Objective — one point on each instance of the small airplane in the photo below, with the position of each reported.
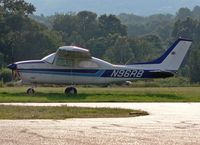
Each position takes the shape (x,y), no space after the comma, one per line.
(71,65)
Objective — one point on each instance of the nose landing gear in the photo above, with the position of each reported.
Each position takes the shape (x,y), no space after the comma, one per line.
(70,91)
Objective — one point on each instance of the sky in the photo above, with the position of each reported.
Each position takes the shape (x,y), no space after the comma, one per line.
(138,7)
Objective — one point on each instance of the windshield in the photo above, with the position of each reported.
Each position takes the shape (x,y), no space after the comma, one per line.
(49,58)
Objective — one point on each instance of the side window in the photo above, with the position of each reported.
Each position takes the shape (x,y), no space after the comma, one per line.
(88,64)
(61,61)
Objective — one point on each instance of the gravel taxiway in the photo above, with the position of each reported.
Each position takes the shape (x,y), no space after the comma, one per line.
(167,124)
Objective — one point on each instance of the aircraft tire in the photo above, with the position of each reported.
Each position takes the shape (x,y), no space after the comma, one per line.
(30,91)
(70,91)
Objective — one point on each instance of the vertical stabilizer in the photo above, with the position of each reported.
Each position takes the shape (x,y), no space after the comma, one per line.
(172,59)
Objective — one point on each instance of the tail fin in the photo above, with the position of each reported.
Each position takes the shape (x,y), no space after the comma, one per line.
(173,57)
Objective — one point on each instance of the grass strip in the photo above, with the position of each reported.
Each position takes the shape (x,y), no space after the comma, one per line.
(55,94)
(64,112)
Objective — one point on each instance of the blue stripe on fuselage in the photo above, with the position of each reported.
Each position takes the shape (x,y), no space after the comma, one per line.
(64,70)
(73,72)
(117,73)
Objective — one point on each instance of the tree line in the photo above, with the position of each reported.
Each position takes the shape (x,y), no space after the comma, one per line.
(121,39)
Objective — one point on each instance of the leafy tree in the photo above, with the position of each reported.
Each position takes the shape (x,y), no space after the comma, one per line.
(145,48)
(111,25)
(196,12)
(164,32)
(75,39)
(5,75)
(183,14)
(151,25)
(184,28)
(98,46)
(13,17)
(195,66)
(190,28)
(16,7)
(1,60)
(23,38)
(137,30)
(87,24)
(65,24)
(120,53)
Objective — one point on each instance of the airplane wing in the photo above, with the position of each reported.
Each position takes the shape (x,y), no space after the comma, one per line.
(73,52)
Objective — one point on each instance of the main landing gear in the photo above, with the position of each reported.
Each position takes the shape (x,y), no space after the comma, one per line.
(30,91)
(70,91)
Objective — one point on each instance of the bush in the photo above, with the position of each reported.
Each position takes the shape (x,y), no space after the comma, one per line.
(10,84)
(1,60)
(5,75)
(1,84)
(167,82)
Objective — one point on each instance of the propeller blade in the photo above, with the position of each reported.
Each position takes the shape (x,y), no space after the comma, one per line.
(12,75)
(13,67)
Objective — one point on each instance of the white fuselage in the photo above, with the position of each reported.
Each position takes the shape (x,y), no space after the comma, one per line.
(41,72)
(74,65)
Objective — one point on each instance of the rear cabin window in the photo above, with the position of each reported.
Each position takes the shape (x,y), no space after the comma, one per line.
(87,64)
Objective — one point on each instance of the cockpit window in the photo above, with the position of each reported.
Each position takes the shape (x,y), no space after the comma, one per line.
(61,61)
(75,63)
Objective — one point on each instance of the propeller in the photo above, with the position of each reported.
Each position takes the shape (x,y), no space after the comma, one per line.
(13,67)
(15,73)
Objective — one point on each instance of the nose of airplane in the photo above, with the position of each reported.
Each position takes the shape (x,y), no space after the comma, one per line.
(12,66)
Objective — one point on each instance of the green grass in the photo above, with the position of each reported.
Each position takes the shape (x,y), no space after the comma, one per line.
(55,94)
(64,112)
